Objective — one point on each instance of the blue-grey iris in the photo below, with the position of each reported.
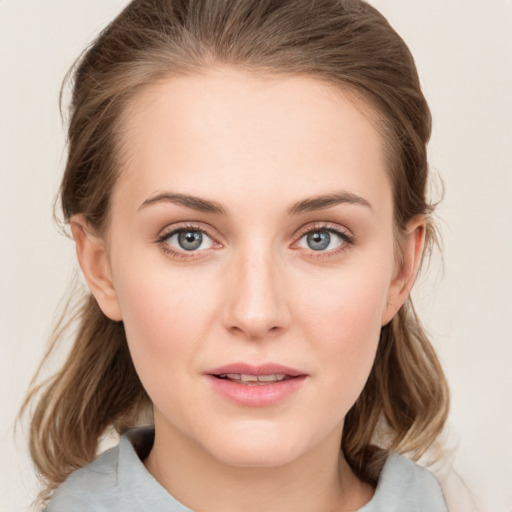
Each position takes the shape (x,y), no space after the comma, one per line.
(190,240)
(318,240)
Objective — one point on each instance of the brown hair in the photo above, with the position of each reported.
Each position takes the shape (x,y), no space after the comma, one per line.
(343,42)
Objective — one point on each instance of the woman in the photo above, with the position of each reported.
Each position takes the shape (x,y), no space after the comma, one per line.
(246,189)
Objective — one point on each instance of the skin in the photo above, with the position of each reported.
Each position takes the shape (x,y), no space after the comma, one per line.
(255,291)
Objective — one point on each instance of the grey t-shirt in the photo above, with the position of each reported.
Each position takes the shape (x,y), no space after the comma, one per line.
(117,481)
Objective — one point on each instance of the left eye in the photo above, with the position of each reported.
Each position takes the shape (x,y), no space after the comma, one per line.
(321,240)
(189,240)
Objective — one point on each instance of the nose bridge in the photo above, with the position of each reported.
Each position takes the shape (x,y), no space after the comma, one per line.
(257,302)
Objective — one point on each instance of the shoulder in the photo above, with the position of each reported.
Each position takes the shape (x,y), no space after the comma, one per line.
(116,481)
(98,479)
(404,485)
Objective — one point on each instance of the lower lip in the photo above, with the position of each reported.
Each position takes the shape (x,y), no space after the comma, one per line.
(259,395)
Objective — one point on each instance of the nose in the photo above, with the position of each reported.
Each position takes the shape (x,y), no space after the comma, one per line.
(256,305)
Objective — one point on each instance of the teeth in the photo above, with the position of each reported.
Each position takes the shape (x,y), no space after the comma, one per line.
(267,378)
(274,377)
(248,378)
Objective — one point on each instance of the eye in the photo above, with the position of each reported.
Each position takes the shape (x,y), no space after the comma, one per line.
(189,240)
(324,240)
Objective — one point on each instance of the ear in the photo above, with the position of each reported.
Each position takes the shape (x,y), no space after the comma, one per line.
(406,268)
(93,259)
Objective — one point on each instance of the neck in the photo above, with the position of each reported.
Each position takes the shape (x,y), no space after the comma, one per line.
(319,480)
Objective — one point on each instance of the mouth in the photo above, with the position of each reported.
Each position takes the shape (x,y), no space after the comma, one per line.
(256,386)
(254,380)
(254,375)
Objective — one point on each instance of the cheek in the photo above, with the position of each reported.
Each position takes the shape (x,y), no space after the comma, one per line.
(342,320)
(349,304)
(166,315)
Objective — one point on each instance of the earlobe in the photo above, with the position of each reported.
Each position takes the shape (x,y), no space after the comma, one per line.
(93,260)
(407,268)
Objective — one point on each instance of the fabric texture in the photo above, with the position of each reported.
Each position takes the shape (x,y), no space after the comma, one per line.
(117,481)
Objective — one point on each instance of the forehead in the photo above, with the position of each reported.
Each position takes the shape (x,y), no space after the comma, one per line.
(227,131)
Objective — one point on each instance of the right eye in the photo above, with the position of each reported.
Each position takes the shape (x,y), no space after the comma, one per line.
(189,240)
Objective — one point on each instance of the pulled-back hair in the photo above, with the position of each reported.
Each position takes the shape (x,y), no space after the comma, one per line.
(346,43)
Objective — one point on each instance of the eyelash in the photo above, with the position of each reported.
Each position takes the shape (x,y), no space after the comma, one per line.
(346,238)
(184,255)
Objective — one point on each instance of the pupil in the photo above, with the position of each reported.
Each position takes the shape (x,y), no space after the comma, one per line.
(190,240)
(319,240)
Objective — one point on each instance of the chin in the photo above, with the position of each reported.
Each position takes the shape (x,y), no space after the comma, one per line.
(262,449)
(262,457)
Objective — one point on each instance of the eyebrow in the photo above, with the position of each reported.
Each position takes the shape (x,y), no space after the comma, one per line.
(192,202)
(327,201)
(306,205)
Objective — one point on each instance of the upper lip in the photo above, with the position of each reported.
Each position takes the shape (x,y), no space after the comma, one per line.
(261,369)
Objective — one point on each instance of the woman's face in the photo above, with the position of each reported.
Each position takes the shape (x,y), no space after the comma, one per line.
(252,259)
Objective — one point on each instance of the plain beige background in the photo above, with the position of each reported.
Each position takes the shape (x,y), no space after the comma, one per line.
(464,54)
